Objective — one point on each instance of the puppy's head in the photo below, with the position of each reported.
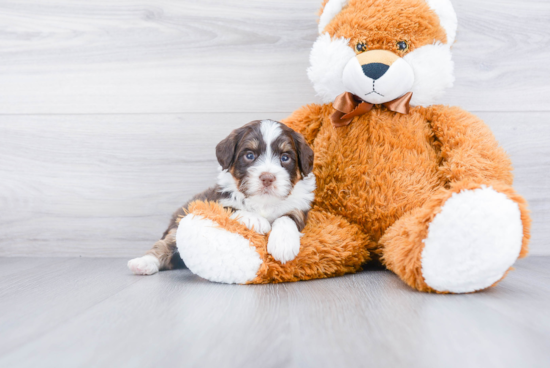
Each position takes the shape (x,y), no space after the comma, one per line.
(265,158)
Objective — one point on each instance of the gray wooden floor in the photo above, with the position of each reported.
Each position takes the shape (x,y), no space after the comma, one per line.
(91,312)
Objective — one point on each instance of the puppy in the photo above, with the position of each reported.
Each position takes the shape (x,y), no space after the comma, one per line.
(265,179)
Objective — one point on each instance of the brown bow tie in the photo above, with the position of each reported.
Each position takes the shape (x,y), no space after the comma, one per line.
(348,106)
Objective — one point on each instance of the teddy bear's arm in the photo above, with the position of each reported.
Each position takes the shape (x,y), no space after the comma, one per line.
(307,121)
(468,148)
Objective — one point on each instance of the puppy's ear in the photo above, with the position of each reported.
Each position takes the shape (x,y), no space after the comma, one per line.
(305,154)
(225,150)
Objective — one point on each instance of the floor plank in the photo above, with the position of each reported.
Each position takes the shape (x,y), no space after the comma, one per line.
(382,322)
(177,319)
(47,292)
(172,56)
(106,185)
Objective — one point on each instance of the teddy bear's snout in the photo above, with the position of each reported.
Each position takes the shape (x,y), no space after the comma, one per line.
(378,76)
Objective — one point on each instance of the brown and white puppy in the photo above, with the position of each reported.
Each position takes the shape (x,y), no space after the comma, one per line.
(265,178)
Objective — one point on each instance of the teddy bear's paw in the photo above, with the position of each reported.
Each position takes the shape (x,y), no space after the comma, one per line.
(284,240)
(252,221)
(472,242)
(214,253)
(146,265)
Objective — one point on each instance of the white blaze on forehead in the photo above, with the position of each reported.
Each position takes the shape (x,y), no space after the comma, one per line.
(271,130)
(443,8)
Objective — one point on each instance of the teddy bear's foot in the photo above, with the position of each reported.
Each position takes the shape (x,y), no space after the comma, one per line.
(472,242)
(462,240)
(215,253)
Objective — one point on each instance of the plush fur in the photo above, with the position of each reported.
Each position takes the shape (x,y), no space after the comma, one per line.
(391,186)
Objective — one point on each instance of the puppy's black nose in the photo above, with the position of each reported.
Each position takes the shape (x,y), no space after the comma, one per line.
(267,179)
(375,70)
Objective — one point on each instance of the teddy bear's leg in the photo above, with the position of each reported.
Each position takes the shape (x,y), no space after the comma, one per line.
(464,239)
(219,248)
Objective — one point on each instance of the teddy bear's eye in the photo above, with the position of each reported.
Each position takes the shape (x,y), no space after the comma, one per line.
(402,46)
(361,47)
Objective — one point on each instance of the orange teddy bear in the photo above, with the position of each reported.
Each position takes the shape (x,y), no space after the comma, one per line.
(424,189)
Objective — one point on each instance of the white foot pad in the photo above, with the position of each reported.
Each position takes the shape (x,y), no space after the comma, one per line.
(472,242)
(284,240)
(214,253)
(146,265)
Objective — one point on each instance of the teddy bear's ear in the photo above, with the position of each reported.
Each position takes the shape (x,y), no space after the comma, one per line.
(447,17)
(329,11)
(305,154)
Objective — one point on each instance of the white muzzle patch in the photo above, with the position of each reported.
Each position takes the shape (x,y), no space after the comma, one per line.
(377,83)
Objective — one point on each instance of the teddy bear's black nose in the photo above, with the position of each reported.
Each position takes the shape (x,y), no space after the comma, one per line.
(375,70)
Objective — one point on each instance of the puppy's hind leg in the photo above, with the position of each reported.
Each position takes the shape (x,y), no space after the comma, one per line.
(162,256)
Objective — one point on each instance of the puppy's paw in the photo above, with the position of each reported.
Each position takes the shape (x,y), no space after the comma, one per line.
(146,265)
(252,221)
(284,240)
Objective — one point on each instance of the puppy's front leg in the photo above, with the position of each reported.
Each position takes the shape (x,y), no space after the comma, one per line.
(252,221)
(284,240)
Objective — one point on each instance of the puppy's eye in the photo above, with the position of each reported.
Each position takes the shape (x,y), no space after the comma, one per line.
(361,47)
(285,158)
(250,156)
(402,46)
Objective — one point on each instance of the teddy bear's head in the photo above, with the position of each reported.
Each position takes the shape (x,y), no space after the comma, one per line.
(379,50)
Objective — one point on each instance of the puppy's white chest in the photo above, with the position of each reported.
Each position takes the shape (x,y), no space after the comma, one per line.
(268,208)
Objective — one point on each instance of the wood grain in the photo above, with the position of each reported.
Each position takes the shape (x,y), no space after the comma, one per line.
(172,56)
(106,185)
(93,313)
(102,185)
(46,292)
